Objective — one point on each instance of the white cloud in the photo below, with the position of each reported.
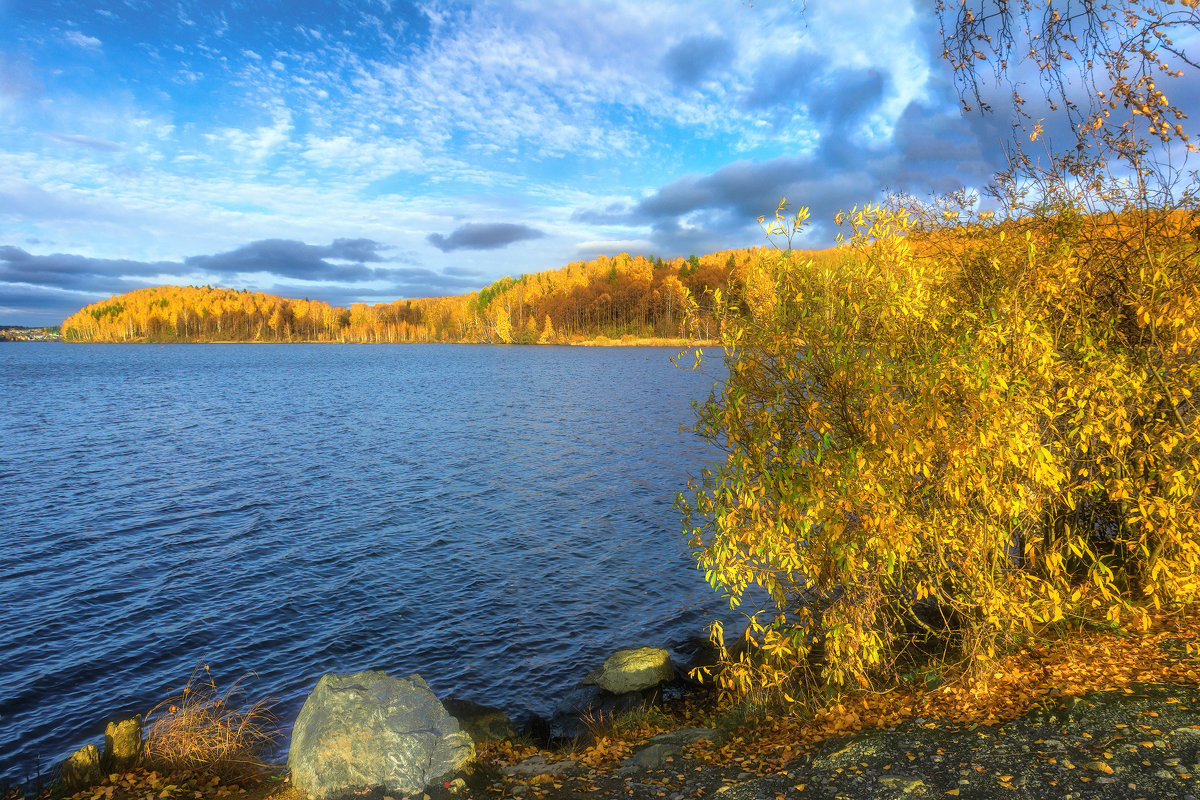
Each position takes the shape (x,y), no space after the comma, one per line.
(518,112)
(82,40)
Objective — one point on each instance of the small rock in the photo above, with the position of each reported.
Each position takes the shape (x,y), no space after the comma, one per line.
(82,769)
(635,670)
(654,756)
(122,744)
(686,736)
(656,751)
(538,765)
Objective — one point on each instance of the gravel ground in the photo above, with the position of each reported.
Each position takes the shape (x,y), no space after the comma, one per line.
(1143,742)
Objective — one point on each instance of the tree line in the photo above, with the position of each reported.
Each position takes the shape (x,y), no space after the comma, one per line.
(615,297)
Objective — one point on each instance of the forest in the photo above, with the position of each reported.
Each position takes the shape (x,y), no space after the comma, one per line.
(623,298)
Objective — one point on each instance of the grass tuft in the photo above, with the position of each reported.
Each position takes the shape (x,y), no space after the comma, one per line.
(201,730)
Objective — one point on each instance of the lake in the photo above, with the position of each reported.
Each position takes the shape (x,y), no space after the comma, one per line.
(498,519)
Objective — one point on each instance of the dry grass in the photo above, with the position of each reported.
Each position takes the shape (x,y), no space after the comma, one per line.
(201,730)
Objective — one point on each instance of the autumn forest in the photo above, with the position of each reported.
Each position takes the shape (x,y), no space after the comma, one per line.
(624,298)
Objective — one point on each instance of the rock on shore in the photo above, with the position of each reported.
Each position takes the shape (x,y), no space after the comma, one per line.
(371,731)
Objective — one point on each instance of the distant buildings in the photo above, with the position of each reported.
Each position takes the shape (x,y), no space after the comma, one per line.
(19,333)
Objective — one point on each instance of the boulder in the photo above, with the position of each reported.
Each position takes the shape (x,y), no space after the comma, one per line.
(122,744)
(82,769)
(483,723)
(634,670)
(369,731)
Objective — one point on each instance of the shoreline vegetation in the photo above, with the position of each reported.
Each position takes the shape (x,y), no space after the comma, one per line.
(610,301)
(1000,596)
(1106,712)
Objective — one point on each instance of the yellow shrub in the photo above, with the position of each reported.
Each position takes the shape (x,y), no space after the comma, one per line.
(977,432)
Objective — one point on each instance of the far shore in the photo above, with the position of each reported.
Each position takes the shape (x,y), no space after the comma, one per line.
(598,342)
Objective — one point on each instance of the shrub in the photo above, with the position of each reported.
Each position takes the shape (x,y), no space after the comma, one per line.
(203,731)
(978,431)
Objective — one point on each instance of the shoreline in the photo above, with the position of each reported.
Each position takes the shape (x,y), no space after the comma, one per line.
(602,342)
(1109,715)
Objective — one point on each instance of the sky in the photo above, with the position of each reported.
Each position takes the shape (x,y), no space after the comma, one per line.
(371,150)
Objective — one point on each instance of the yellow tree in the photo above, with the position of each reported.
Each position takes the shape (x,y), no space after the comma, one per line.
(548,335)
(502,326)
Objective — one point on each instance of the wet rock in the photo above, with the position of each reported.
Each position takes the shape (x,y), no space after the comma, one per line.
(372,731)
(122,744)
(634,670)
(695,652)
(82,769)
(590,705)
(483,723)
(533,727)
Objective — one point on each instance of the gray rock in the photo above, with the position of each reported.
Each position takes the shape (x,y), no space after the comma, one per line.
(372,731)
(654,756)
(82,769)
(122,744)
(483,723)
(686,736)
(656,751)
(538,765)
(634,670)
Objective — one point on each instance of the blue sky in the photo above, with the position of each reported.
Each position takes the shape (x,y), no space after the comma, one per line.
(376,149)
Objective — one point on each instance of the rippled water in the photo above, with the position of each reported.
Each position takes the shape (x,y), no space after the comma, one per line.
(497,519)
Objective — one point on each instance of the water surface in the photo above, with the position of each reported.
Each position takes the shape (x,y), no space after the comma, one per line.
(496,519)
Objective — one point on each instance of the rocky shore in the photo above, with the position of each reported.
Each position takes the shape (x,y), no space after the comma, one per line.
(1139,742)
(377,737)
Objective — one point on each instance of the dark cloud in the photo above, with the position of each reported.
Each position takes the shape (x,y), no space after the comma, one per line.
(45,289)
(735,195)
(292,259)
(745,188)
(691,60)
(77,273)
(37,305)
(85,141)
(784,83)
(933,149)
(483,236)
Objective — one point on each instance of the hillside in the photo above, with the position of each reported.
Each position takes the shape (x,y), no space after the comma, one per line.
(620,297)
